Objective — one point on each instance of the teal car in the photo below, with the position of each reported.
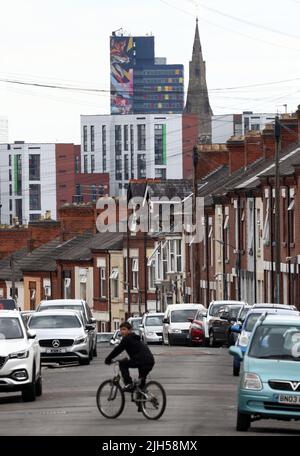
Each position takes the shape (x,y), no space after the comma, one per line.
(270,381)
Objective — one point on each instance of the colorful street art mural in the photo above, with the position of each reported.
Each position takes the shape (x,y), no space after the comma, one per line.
(121,73)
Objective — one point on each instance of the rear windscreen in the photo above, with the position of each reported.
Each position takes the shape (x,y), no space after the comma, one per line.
(7,304)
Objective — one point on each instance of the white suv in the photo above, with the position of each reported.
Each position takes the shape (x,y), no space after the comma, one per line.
(20,367)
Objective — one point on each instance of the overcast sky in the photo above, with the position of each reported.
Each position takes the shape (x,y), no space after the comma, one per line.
(66,42)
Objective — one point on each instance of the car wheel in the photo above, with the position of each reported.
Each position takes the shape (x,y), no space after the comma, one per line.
(212,340)
(170,342)
(243,422)
(236,367)
(38,386)
(206,342)
(84,361)
(29,392)
(95,354)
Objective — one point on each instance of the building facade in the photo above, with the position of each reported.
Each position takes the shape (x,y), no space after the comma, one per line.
(133,147)
(140,82)
(3,129)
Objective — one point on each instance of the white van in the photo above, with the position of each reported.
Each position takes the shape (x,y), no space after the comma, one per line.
(177,321)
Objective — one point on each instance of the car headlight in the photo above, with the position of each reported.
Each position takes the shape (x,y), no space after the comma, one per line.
(80,340)
(251,381)
(244,340)
(150,333)
(19,355)
(178,331)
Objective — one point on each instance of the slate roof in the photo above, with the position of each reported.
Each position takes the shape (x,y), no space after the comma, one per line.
(5,265)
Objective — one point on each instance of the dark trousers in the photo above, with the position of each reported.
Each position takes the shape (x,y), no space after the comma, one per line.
(144,370)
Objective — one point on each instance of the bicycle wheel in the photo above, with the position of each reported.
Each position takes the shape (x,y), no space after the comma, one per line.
(110,399)
(154,403)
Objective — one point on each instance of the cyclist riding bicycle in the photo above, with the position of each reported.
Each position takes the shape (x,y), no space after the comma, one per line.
(140,356)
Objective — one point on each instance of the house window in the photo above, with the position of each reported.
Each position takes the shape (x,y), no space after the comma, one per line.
(85,163)
(126,136)
(178,255)
(126,167)
(92,163)
(258,230)
(118,140)
(291,216)
(164,261)
(141,164)
(141,133)
(114,282)
(77,164)
(85,138)
(102,282)
(226,238)
(171,256)
(92,138)
(34,197)
(93,193)
(34,167)
(151,275)
(135,272)
(266,230)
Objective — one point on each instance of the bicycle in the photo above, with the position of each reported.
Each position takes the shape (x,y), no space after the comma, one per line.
(151,400)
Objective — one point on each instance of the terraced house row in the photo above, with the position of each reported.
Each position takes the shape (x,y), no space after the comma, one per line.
(126,273)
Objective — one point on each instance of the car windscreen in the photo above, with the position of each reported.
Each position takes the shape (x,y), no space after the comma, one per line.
(54,321)
(251,320)
(10,328)
(7,304)
(182,316)
(234,311)
(135,323)
(243,314)
(154,320)
(276,342)
(215,308)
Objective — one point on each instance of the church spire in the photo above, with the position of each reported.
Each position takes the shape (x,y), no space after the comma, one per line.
(197,98)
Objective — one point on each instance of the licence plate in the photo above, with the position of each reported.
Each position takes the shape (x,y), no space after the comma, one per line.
(288,399)
(56,350)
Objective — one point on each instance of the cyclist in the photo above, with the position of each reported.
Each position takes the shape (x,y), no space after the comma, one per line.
(140,356)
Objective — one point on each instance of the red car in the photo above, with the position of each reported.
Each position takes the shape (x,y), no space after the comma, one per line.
(196,331)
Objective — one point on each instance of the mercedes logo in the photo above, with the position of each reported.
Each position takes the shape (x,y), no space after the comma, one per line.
(55,343)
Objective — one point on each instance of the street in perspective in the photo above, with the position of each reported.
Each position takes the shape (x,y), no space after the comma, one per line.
(149,250)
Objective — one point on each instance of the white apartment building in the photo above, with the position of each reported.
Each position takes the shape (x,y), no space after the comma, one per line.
(27,181)
(227,125)
(132,147)
(3,129)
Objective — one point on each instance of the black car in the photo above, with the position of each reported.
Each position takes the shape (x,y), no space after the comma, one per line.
(220,333)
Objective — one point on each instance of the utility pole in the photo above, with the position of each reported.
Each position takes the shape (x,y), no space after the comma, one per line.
(195,245)
(277,209)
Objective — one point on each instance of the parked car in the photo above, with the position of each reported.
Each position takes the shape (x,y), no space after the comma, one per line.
(239,321)
(20,366)
(244,331)
(135,323)
(62,336)
(104,337)
(76,304)
(26,314)
(151,328)
(270,386)
(196,329)
(211,312)
(220,331)
(8,304)
(116,338)
(176,322)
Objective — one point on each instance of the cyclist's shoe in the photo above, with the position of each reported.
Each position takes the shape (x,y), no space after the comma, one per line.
(128,388)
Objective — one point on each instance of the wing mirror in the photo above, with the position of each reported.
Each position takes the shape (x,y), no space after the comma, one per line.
(31,334)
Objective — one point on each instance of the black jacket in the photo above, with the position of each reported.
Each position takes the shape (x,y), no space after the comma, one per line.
(135,348)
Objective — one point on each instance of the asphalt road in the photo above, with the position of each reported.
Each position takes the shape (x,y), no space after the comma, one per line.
(201,400)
